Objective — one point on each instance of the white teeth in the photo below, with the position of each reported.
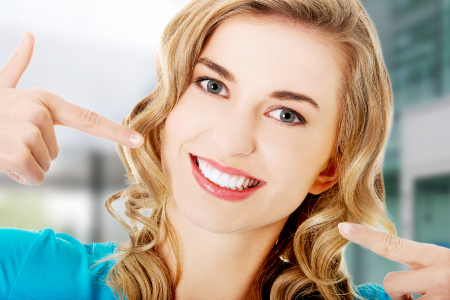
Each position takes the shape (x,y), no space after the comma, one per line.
(207,172)
(240,181)
(246,182)
(215,174)
(225,180)
(232,183)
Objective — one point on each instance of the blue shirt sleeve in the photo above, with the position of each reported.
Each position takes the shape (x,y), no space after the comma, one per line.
(371,291)
(47,265)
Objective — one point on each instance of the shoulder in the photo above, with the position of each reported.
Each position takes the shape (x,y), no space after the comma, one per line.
(371,291)
(46,264)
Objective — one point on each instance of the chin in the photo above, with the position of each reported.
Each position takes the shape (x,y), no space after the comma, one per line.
(214,219)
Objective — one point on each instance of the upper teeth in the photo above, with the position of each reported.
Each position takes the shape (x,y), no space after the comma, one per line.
(234,182)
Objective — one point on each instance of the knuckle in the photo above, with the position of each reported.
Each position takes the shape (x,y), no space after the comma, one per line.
(390,283)
(90,119)
(39,93)
(391,244)
(37,116)
(37,177)
(55,153)
(389,280)
(40,179)
(33,135)
(47,167)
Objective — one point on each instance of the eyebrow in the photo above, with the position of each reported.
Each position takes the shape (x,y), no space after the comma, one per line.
(216,68)
(286,95)
(280,95)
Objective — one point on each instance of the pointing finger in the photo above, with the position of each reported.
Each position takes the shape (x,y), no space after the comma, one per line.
(411,253)
(14,68)
(89,121)
(427,280)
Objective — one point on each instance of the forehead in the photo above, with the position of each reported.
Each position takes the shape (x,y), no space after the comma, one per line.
(273,52)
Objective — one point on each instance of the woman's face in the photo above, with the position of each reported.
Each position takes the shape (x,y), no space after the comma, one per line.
(263,98)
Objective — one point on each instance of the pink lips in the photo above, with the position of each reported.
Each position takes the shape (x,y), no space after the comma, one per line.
(217,191)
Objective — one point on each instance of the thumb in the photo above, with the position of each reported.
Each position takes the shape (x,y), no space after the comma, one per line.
(14,68)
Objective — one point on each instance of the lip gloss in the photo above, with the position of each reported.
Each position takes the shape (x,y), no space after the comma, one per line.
(217,191)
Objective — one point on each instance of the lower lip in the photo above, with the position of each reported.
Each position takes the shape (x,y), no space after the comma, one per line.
(217,191)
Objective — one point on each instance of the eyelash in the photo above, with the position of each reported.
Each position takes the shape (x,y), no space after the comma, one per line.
(301,119)
(203,78)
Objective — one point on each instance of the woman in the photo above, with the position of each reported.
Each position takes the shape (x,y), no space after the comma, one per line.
(265,131)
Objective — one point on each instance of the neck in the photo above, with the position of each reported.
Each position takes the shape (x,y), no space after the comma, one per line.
(217,266)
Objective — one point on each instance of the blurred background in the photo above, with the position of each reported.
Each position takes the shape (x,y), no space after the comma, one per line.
(101,55)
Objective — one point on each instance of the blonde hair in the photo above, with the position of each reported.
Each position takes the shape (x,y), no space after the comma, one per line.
(308,257)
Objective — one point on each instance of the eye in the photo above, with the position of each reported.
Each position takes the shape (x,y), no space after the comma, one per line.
(288,116)
(212,86)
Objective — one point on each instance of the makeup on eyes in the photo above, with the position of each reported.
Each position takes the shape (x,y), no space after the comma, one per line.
(203,78)
(301,119)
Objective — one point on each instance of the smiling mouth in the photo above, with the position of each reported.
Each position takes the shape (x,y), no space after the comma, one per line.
(225,180)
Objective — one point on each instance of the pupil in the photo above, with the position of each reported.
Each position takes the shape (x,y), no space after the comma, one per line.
(289,117)
(214,87)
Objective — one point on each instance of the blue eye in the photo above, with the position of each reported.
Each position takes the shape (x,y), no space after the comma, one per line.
(213,86)
(287,116)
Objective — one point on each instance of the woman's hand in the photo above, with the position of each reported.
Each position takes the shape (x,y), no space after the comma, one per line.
(27,118)
(430,274)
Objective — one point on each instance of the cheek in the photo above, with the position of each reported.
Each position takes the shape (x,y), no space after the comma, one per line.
(184,124)
(292,155)
(193,114)
(295,160)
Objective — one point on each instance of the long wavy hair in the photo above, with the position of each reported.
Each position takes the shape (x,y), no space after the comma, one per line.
(308,256)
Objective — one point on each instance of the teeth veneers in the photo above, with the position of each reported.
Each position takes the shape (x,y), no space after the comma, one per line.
(221,192)
(225,180)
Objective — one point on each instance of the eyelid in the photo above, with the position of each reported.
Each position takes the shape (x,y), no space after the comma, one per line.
(202,78)
(302,120)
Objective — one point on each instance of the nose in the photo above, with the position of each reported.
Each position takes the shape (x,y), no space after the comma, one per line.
(235,134)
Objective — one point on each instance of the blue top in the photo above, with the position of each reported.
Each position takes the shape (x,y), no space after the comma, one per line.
(46,265)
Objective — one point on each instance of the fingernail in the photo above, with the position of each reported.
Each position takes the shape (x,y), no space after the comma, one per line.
(24,36)
(346,228)
(136,139)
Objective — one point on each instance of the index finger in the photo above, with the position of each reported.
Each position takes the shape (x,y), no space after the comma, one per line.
(413,254)
(89,122)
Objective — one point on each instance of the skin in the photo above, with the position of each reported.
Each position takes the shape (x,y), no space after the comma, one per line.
(234,128)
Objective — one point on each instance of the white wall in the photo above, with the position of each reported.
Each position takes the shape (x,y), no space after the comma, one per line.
(425,152)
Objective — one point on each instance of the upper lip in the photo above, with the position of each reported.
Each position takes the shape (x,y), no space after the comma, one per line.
(226,169)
